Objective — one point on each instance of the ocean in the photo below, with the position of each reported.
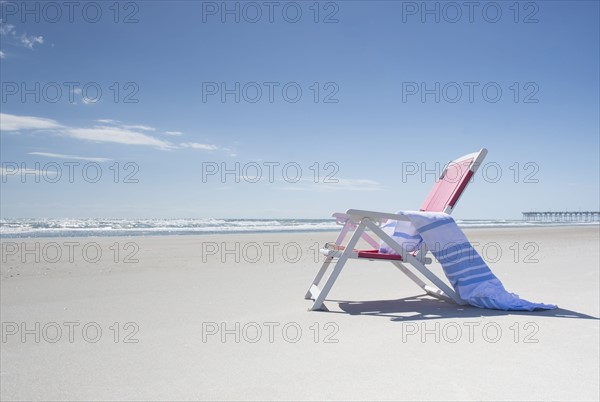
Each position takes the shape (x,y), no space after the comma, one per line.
(65,227)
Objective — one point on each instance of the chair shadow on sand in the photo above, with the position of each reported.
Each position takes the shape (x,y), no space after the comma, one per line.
(424,307)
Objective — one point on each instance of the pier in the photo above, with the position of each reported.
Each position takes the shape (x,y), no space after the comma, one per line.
(562,216)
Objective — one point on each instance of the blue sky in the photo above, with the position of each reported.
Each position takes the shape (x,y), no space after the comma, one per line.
(388,75)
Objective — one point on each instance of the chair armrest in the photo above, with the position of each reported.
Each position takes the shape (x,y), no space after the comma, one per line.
(341,218)
(359,214)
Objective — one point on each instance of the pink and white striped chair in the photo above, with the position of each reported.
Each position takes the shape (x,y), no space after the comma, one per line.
(443,198)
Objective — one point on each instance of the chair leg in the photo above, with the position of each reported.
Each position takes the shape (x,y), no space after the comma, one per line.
(309,293)
(318,304)
(318,277)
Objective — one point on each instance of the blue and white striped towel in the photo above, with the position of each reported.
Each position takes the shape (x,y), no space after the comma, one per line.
(467,272)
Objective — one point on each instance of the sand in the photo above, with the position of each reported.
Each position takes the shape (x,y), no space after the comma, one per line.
(223,318)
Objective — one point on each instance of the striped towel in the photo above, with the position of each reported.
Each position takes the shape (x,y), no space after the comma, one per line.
(467,272)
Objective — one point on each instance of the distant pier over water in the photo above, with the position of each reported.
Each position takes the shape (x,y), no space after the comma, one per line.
(562,216)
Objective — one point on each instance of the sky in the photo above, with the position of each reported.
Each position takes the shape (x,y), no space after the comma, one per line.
(191,109)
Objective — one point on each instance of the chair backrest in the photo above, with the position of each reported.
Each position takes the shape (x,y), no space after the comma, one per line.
(452,183)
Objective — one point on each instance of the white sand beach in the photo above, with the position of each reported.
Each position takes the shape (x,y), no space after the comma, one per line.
(223,318)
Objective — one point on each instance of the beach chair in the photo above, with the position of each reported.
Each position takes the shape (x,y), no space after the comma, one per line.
(442,198)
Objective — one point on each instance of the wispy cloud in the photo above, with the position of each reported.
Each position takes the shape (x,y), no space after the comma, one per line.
(114,134)
(117,135)
(118,123)
(21,39)
(109,131)
(173,133)
(72,157)
(78,93)
(89,101)
(350,185)
(107,121)
(7,171)
(2,54)
(139,127)
(353,182)
(6,29)
(11,122)
(29,40)
(197,145)
(335,184)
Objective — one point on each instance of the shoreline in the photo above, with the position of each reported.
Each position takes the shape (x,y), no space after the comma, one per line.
(291,231)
